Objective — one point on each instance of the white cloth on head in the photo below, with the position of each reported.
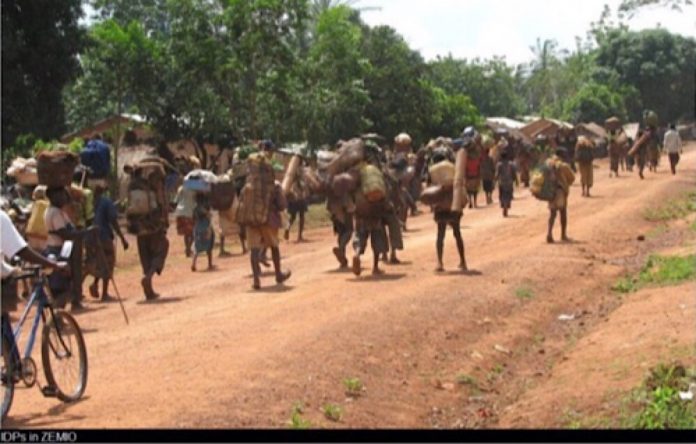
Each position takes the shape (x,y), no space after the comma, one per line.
(12,242)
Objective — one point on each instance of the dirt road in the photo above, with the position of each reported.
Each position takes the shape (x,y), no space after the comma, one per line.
(212,353)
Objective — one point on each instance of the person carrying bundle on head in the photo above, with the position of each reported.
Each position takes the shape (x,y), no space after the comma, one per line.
(551,182)
(370,199)
(203,234)
(439,195)
(488,169)
(106,220)
(260,203)
(147,215)
(584,158)
(506,176)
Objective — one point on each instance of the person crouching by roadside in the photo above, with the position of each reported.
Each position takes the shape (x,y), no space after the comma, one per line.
(506,176)
(106,220)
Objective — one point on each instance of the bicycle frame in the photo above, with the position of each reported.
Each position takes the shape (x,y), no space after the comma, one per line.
(40,299)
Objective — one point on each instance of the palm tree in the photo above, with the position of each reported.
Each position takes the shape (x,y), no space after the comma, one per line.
(541,81)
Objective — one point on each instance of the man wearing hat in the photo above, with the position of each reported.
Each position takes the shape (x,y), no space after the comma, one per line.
(564,179)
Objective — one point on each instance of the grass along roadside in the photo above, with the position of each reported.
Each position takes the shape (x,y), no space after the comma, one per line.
(654,405)
(673,209)
(660,271)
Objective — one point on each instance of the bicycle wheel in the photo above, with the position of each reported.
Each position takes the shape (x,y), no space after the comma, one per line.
(64,356)
(7,376)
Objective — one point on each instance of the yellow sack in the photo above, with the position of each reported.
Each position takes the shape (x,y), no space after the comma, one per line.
(36,226)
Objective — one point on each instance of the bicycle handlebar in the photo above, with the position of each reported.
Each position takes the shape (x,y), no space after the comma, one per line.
(32,271)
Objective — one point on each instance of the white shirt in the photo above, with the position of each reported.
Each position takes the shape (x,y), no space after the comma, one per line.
(12,242)
(672,141)
(55,219)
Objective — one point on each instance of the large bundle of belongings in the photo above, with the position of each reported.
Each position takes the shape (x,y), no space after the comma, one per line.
(97,157)
(543,182)
(612,123)
(347,171)
(402,143)
(146,210)
(447,173)
(56,168)
(584,149)
(548,177)
(221,189)
(224,195)
(24,171)
(255,197)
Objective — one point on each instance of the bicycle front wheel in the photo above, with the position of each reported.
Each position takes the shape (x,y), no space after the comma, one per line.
(7,373)
(64,356)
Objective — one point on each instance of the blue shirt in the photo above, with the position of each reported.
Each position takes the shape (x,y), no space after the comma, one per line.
(105,214)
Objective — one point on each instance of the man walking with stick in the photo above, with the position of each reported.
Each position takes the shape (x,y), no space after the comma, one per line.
(106,221)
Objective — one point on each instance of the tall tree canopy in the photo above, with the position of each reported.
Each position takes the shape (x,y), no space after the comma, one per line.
(658,64)
(40,43)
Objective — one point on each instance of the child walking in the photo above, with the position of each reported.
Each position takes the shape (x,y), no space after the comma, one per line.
(506,176)
(203,234)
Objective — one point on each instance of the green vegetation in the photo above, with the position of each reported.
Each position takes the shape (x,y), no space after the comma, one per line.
(332,412)
(296,420)
(657,231)
(469,380)
(354,386)
(656,404)
(659,270)
(524,293)
(194,70)
(317,216)
(673,209)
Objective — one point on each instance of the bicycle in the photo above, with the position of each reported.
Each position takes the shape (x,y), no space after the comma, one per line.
(61,342)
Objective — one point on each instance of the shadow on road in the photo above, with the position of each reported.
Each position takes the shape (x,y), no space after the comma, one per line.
(53,417)
(160,301)
(378,278)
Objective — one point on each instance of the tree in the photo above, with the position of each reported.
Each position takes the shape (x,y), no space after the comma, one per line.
(40,43)
(397,94)
(658,64)
(489,83)
(336,100)
(631,7)
(118,68)
(594,103)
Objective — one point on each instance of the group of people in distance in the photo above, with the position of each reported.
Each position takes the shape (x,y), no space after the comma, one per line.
(369,188)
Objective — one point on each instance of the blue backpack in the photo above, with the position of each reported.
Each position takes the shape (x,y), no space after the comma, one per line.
(97,157)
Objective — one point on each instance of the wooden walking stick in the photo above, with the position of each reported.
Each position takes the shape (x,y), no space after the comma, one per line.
(102,260)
